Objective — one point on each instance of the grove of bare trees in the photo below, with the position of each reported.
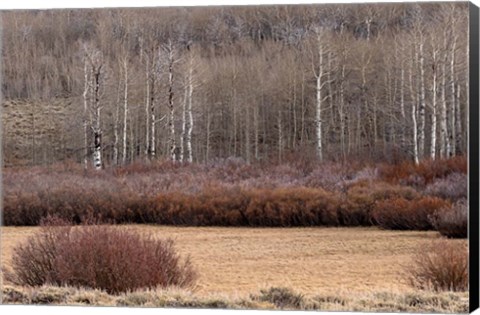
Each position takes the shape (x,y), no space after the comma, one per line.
(335,82)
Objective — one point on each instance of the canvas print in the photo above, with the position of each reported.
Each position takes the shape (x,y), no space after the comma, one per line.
(280,157)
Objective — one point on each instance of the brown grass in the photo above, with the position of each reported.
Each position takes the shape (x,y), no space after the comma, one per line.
(310,260)
(440,266)
(269,298)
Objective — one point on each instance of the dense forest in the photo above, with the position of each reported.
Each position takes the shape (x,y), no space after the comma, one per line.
(262,83)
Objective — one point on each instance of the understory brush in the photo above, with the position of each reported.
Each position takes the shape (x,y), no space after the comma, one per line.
(441,266)
(231,192)
(99,257)
(404,214)
(452,221)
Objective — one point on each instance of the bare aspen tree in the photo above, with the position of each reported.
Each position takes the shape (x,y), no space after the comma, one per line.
(187,122)
(125,109)
(96,76)
(189,109)
(144,55)
(453,105)
(171,54)
(458,118)
(444,138)
(399,55)
(153,73)
(184,122)
(280,135)
(414,115)
(93,75)
(115,124)
(421,109)
(318,69)
(433,116)
(85,108)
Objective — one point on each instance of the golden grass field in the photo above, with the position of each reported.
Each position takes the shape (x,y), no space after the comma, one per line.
(238,261)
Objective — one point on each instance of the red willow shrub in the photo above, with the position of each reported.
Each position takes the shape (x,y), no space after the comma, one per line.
(101,257)
(292,207)
(452,221)
(453,187)
(226,192)
(404,214)
(441,266)
(235,207)
(425,172)
(361,198)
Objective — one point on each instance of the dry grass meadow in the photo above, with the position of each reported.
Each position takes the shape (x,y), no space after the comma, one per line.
(239,261)
(337,269)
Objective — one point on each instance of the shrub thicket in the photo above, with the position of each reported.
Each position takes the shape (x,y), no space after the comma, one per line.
(452,221)
(101,257)
(232,193)
(453,187)
(441,266)
(425,172)
(404,214)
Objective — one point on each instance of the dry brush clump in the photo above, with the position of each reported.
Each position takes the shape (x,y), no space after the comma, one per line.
(441,266)
(225,192)
(362,197)
(404,214)
(425,172)
(453,187)
(282,298)
(100,257)
(452,221)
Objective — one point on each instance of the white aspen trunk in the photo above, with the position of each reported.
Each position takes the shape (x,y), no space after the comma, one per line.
(445,148)
(97,131)
(147,108)
(97,150)
(375,126)
(434,110)
(318,115)
(280,136)
(414,118)
(171,107)
(152,147)
(341,113)
(421,137)
(402,104)
(190,115)
(458,119)
(256,131)
(184,109)
(247,135)
(368,21)
(115,125)
(294,111)
(85,114)
(132,142)
(125,113)
(234,121)
(207,153)
(414,128)
(453,111)
(302,124)
(318,108)
(330,89)
(467,92)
